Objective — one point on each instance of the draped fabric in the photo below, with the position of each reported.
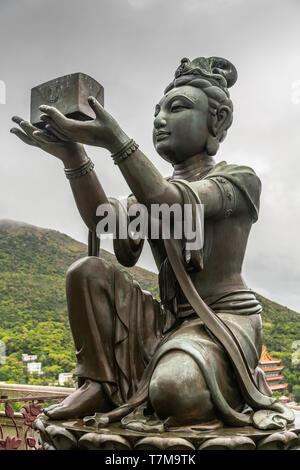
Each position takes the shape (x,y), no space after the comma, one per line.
(144,330)
(243,178)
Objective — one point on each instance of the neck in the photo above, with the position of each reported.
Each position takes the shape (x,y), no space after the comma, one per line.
(196,162)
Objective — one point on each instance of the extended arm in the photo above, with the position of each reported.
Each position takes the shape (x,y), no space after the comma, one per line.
(87,189)
(88,194)
(149,186)
(145,181)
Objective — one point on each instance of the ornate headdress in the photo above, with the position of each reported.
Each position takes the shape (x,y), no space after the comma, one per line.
(215,70)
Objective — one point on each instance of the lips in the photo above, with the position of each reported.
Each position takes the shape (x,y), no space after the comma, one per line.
(161,135)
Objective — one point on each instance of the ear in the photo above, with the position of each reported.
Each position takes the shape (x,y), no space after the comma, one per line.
(219,122)
(224,114)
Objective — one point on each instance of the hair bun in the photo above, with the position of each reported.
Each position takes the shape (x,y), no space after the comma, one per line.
(217,71)
(225,68)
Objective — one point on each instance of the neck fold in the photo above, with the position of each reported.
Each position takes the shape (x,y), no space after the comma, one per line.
(196,164)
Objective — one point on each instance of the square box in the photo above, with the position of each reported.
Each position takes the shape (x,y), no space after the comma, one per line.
(69,94)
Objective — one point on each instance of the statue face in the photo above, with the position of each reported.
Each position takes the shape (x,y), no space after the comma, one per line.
(180,124)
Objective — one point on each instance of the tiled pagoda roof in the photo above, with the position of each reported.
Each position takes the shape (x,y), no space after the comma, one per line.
(265,357)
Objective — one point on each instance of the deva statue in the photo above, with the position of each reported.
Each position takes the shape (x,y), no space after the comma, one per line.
(190,360)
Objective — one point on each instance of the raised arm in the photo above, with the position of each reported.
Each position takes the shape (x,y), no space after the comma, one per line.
(88,194)
(87,190)
(145,181)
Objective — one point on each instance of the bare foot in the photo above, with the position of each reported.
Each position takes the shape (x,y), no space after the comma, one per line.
(87,399)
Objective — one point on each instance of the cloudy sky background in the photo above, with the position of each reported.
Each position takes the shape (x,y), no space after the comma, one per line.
(133,47)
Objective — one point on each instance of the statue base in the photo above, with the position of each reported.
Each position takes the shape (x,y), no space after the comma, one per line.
(74,435)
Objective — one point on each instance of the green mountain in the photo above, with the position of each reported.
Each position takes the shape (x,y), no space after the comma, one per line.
(33,313)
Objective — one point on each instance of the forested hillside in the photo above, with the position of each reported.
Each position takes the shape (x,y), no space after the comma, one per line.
(33,314)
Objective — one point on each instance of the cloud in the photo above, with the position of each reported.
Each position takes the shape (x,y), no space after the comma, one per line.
(140,4)
(133,49)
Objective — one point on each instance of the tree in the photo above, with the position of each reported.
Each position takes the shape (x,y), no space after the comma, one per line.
(276,395)
(296,393)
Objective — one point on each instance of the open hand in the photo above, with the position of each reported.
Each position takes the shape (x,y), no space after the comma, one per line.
(103,131)
(56,145)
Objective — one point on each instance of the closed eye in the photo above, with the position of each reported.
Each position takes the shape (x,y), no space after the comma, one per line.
(178,107)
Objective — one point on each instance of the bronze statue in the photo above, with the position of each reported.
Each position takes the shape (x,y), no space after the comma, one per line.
(191,359)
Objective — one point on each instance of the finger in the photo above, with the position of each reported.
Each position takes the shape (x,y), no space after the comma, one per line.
(44,137)
(57,116)
(47,119)
(24,137)
(96,106)
(50,122)
(52,130)
(17,119)
(28,127)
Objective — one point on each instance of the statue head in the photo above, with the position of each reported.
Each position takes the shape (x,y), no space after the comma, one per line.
(195,112)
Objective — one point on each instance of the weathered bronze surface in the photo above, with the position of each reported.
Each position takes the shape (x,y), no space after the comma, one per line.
(71,435)
(190,360)
(69,94)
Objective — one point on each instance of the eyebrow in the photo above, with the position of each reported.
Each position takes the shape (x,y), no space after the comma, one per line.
(175,97)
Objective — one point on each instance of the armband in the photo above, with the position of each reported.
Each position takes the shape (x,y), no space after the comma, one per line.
(228,195)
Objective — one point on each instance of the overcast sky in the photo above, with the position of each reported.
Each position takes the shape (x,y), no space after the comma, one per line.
(132,47)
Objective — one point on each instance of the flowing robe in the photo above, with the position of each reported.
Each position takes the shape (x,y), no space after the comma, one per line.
(124,331)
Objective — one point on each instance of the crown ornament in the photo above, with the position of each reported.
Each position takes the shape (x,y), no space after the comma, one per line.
(218,71)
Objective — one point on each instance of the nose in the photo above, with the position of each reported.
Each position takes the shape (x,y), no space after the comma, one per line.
(160,120)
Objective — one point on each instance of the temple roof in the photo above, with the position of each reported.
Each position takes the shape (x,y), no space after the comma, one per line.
(274,377)
(278,386)
(265,357)
(272,369)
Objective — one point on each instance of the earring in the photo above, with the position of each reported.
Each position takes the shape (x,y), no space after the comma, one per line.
(212,145)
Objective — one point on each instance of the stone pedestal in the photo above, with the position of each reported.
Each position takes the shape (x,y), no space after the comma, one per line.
(73,435)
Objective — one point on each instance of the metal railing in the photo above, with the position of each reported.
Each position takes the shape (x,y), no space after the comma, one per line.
(16,426)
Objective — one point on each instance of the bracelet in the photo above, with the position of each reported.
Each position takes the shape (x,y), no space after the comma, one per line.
(82,170)
(127,149)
